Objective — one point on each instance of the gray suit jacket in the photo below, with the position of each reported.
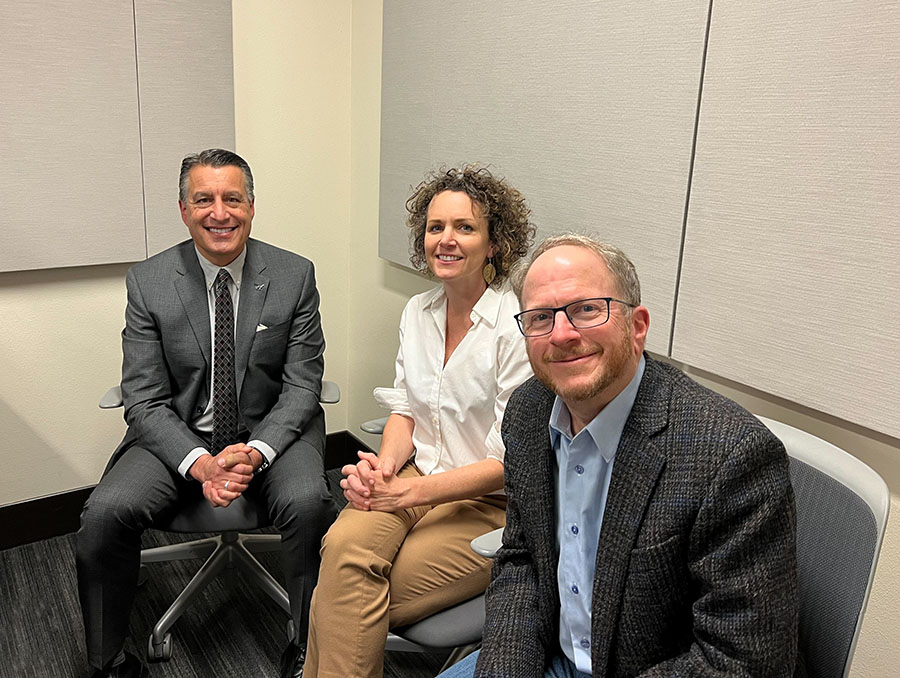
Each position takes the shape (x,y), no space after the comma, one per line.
(695,570)
(166,351)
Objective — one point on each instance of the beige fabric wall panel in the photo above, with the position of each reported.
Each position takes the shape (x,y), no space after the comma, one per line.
(186,80)
(587,107)
(69,142)
(791,274)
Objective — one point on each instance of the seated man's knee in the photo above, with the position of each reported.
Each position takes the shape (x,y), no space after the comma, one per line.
(108,515)
(308,502)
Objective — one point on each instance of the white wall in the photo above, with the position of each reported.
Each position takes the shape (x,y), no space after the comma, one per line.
(379,289)
(59,353)
(307,110)
(292,124)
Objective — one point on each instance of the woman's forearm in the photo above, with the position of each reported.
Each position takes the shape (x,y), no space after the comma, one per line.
(466,482)
(396,441)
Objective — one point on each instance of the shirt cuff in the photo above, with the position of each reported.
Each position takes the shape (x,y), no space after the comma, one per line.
(264,449)
(393,399)
(189,460)
(494,444)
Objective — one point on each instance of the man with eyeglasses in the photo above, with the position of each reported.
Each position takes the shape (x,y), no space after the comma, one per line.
(650,526)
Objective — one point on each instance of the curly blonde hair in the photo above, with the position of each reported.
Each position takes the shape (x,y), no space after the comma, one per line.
(509,226)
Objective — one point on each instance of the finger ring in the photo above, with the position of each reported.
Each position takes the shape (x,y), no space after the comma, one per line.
(226,484)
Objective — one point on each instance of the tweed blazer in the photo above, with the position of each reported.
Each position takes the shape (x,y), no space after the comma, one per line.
(166,349)
(696,566)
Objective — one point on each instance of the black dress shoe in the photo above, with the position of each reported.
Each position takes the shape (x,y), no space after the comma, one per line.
(132,667)
(292,661)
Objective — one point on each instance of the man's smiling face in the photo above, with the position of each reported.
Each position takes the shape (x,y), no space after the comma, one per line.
(218,212)
(587,368)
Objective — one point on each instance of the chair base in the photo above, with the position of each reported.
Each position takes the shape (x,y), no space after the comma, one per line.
(230,550)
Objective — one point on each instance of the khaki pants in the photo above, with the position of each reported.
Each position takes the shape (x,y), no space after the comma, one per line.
(382,570)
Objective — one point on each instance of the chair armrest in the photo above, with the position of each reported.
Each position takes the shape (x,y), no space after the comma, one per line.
(331,393)
(112,398)
(488,544)
(375,426)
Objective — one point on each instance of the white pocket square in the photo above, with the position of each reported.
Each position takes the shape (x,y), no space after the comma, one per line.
(261,327)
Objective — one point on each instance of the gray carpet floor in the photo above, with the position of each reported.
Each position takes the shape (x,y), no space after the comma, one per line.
(235,632)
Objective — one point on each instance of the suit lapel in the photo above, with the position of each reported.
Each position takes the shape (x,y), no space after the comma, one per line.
(190,286)
(636,470)
(538,489)
(254,288)
(541,495)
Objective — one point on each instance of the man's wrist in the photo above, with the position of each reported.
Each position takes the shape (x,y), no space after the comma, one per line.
(268,454)
(197,469)
(258,460)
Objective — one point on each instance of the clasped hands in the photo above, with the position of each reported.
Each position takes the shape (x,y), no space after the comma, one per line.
(233,465)
(372,484)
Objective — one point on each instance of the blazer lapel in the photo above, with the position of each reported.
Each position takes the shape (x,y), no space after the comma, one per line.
(538,502)
(541,495)
(191,288)
(636,471)
(254,288)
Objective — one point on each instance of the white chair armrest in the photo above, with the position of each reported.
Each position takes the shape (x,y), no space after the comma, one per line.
(374,426)
(112,398)
(488,544)
(331,393)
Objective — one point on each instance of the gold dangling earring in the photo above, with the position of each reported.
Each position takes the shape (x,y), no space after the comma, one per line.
(489,272)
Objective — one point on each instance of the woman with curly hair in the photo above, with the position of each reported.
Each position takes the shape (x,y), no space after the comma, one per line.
(400,551)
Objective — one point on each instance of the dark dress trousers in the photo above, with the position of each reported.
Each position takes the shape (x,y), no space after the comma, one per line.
(695,570)
(165,385)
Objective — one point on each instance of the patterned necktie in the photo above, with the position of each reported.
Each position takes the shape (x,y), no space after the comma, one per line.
(225,414)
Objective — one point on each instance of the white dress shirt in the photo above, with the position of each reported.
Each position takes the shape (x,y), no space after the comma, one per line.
(204,422)
(457,408)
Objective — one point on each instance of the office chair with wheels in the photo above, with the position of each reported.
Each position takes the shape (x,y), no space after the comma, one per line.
(842,509)
(231,549)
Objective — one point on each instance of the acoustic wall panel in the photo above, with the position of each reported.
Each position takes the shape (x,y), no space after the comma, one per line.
(70,172)
(186,84)
(587,107)
(791,274)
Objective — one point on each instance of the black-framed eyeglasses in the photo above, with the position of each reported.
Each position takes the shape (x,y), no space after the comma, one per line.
(582,314)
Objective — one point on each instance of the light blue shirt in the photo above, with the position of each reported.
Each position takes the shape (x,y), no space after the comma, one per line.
(584,467)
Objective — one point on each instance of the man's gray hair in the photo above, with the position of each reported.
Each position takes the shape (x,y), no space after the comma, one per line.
(213,157)
(619,265)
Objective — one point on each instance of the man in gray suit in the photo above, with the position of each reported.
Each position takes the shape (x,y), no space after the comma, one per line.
(225,315)
(650,526)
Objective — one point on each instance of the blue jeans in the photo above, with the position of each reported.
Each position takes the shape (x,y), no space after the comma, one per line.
(560,667)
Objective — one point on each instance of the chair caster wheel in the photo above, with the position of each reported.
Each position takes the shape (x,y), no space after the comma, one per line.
(161,652)
(290,630)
